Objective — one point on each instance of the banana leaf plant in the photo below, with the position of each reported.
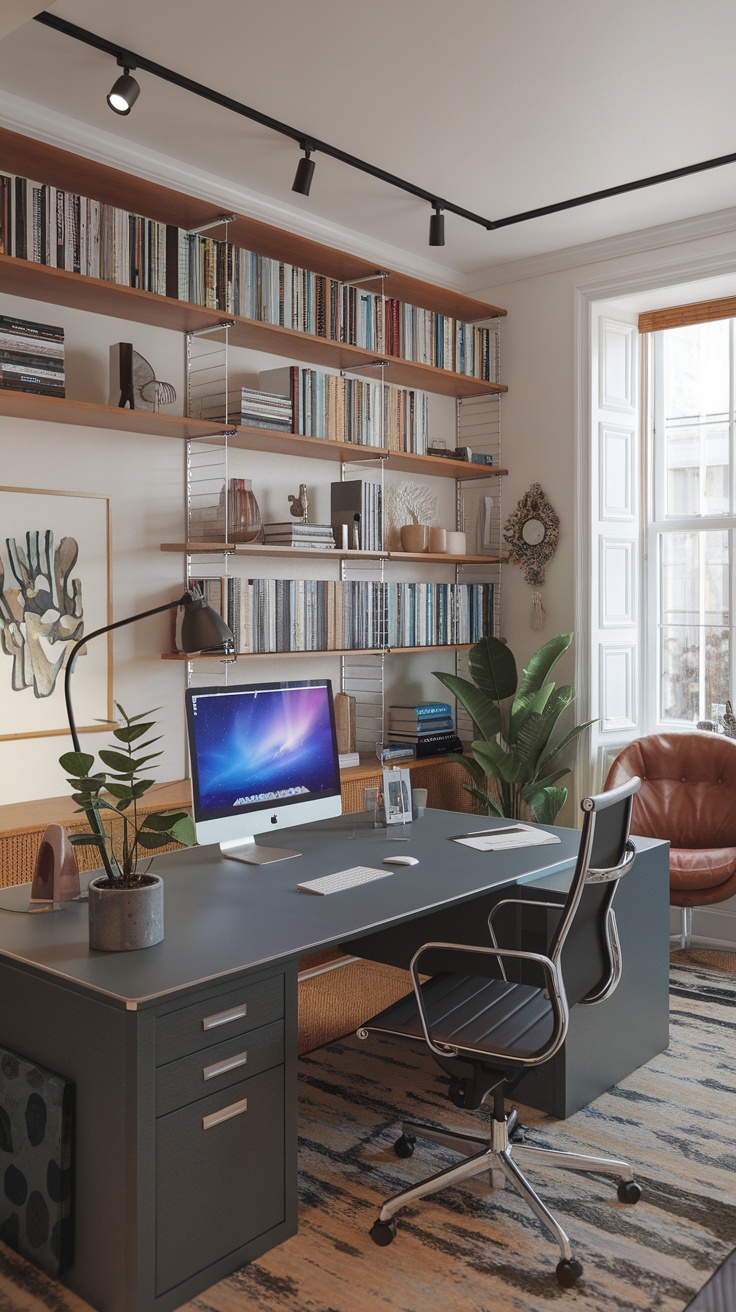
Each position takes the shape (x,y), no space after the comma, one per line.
(514,767)
(114,793)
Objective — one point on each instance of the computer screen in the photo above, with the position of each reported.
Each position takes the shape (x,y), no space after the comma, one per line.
(263,758)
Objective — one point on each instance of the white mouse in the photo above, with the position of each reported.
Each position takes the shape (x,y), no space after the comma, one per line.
(401,861)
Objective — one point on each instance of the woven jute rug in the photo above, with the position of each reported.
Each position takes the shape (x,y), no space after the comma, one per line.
(465,1249)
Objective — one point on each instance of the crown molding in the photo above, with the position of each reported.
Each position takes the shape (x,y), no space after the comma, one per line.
(639,242)
(30,119)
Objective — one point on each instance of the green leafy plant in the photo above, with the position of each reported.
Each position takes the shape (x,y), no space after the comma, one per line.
(513,767)
(114,793)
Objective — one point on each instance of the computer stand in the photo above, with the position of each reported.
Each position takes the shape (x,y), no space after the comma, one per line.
(248,850)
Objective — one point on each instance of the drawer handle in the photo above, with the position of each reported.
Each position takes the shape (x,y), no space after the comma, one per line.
(216,1118)
(225,1017)
(221,1067)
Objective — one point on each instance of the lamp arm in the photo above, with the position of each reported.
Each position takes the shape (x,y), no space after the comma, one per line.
(96,633)
(93,817)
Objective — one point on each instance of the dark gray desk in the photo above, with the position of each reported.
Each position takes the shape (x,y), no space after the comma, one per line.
(170,1195)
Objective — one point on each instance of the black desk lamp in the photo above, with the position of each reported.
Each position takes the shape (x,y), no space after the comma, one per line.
(202,630)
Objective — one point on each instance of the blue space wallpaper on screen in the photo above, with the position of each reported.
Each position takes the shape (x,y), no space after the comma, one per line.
(252,747)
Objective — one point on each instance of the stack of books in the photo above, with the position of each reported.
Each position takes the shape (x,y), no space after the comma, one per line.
(428,727)
(31,357)
(317,537)
(250,408)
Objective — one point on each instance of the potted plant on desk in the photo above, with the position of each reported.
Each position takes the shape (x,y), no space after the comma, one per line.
(514,769)
(125,903)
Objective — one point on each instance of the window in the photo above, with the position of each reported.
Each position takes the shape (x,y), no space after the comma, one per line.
(692,529)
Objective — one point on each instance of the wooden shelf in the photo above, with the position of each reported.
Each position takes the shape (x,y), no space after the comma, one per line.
(45,163)
(339,651)
(89,414)
(372,766)
(409,463)
(444,557)
(61,287)
(336,553)
(258,549)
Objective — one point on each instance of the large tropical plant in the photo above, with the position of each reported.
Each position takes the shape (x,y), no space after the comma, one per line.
(515,767)
(113,794)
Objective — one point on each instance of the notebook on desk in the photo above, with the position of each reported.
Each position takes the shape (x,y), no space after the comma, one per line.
(506,837)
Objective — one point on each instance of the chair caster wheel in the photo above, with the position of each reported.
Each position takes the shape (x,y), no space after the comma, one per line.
(518,1134)
(404,1146)
(568,1272)
(383,1233)
(629,1191)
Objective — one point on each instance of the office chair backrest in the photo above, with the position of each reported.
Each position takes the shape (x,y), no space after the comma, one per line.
(585,940)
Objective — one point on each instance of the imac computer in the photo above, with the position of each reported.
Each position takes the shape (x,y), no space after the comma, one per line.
(263,758)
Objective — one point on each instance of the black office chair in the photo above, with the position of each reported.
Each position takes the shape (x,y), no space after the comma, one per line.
(486,1030)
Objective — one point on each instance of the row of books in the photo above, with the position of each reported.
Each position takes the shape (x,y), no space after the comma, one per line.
(438,614)
(283,615)
(357,410)
(63,230)
(31,357)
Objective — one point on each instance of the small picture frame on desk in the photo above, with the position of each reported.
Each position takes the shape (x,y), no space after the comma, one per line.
(397,796)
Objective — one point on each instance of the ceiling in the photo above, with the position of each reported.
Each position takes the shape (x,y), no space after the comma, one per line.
(499,105)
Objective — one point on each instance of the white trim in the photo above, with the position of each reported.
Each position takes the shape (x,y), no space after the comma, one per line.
(609,248)
(69,134)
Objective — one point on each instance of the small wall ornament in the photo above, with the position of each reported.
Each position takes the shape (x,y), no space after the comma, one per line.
(532,532)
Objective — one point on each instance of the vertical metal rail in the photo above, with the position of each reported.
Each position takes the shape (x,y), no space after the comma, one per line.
(478,425)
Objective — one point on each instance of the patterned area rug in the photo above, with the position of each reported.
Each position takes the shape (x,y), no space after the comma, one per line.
(466,1250)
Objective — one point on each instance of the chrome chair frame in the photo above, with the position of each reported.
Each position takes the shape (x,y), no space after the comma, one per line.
(499,1153)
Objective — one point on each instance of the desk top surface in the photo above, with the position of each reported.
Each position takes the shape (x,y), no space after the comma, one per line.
(222,917)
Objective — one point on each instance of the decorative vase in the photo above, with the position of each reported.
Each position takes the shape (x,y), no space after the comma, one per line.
(124,919)
(243,515)
(414,537)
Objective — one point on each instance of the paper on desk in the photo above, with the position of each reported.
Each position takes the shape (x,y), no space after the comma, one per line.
(502,838)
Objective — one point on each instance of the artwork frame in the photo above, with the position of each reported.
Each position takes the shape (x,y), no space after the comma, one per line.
(55,586)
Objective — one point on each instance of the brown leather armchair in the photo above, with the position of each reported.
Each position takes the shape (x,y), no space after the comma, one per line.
(687,796)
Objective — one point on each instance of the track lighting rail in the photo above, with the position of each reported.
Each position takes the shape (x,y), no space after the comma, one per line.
(309,144)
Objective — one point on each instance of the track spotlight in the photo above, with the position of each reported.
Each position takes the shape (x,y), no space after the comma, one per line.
(437,228)
(125,91)
(304,172)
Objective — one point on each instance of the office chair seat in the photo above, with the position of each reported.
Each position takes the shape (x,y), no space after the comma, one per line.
(471,1013)
(483,1031)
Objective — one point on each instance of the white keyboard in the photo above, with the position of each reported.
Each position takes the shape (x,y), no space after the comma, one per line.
(342,879)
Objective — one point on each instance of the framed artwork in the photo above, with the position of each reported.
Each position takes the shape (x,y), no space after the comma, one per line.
(54,588)
(397,796)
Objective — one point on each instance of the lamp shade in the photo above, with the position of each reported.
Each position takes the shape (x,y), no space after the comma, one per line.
(124,93)
(202,629)
(303,176)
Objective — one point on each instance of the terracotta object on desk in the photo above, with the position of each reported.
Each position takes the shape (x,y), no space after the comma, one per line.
(56,875)
(414,537)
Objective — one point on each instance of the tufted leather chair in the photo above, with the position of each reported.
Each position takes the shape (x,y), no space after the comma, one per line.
(687,796)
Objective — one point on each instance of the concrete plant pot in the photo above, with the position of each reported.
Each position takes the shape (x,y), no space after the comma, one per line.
(124,919)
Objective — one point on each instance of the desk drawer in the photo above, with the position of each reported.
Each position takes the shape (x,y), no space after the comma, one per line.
(209,1071)
(204,1024)
(219,1176)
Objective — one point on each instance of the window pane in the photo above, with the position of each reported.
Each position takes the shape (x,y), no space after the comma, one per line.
(694,624)
(696,402)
